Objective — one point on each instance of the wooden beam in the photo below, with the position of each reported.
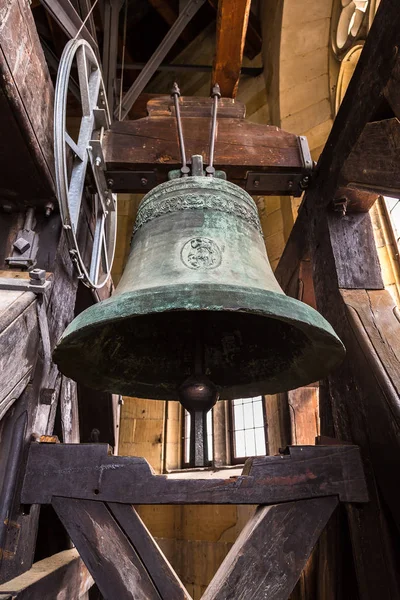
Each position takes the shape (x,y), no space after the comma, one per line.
(374,162)
(161,573)
(73,471)
(62,575)
(107,552)
(241,147)
(253,44)
(19,337)
(169,14)
(232,20)
(26,118)
(268,556)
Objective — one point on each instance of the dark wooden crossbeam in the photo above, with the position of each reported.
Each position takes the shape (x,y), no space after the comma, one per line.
(232,21)
(87,472)
(261,158)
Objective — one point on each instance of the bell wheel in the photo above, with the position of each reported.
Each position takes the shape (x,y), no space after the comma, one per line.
(84,197)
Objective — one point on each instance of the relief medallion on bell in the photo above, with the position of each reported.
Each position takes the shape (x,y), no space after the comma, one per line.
(201,253)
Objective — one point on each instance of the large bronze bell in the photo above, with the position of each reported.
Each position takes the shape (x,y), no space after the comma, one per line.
(198,297)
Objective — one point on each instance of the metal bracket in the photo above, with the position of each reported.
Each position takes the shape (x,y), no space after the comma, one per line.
(279,184)
(25,245)
(131,181)
(36,283)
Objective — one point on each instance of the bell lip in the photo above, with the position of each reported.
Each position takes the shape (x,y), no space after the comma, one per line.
(325,345)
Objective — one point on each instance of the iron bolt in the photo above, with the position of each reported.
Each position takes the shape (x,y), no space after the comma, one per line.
(110,182)
(256,182)
(98,161)
(290,184)
(143,181)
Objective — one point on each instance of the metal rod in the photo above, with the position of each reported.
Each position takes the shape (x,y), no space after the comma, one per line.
(175,95)
(216,95)
(144,76)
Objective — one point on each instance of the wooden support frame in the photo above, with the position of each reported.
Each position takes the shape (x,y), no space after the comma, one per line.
(89,473)
(124,558)
(358,404)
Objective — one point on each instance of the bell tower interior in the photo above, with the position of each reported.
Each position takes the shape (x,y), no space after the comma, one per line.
(199,292)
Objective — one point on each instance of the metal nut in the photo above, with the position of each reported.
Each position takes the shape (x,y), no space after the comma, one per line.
(37,274)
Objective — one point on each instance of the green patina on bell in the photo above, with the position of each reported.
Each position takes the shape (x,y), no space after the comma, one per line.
(198,270)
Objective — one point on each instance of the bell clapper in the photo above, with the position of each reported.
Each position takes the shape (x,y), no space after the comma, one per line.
(216,95)
(198,394)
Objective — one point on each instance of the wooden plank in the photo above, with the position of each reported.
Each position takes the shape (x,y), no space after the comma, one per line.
(18,348)
(160,571)
(268,556)
(353,244)
(110,558)
(87,472)
(61,575)
(241,146)
(374,163)
(232,21)
(26,119)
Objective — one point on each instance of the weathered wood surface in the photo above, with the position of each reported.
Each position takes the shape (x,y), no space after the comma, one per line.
(353,244)
(195,106)
(87,472)
(241,146)
(355,404)
(160,571)
(39,402)
(268,556)
(374,162)
(232,21)
(62,575)
(109,556)
(26,117)
(19,338)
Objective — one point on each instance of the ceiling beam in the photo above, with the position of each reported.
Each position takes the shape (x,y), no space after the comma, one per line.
(253,42)
(232,21)
(169,14)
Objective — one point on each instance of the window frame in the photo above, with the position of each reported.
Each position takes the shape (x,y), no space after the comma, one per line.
(240,460)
